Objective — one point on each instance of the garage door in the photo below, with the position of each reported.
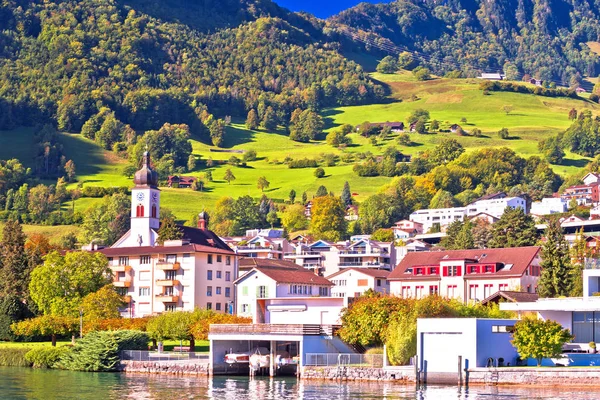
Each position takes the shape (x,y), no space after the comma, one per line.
(441,351)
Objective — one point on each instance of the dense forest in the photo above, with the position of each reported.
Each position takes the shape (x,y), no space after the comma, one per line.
(543,38)
(65,61)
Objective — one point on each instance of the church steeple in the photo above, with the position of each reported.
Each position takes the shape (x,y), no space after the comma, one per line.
(145,204)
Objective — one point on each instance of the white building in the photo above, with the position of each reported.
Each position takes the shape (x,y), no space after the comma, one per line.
(277,282)
(591,178)
(196,271)
(467,275)
(494,207)
(549,205)
(351,283)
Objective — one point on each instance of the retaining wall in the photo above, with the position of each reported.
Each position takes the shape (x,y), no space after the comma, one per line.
(359,374)
(166,367)
(548,376)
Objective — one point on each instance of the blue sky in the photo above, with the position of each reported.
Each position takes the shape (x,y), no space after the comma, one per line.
(322,8)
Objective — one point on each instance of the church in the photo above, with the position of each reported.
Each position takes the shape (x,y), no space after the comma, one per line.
(197,270)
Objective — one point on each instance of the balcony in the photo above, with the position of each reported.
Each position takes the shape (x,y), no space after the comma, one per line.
(167,266)
(309,254)
(167,298)
(272,329)
(120,268)
(376,265)
(127,299)
(122,282)
(261,248)
(167,282)
(375,253)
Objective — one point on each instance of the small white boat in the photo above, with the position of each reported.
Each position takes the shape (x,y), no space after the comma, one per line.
(237,358)
(260,358)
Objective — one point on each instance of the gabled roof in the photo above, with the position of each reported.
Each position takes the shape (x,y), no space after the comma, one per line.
(320,243)
(288,275)
(514,297)
(148,250)
(203,237)
(375,273)
(519,257)
(251,262)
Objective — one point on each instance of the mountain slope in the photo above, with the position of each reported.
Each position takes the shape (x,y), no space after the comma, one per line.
(543,38)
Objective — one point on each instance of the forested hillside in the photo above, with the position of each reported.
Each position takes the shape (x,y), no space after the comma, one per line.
(65,61)
(543,38)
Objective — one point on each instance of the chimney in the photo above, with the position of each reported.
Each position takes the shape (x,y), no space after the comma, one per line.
(203,221)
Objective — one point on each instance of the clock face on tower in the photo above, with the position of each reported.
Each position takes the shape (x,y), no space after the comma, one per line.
(154,197)
(140,196)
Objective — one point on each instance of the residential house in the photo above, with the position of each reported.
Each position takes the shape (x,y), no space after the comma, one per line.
(177,181)
(595,213)
(179,275)
(468,275)
(548,206)
(352,282)
(405,228)
(583,194)
(270,282)
(351,213)
(510,296)
(591,178)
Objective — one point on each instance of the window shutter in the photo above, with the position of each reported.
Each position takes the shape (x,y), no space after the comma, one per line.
(258,292)
(458,270)
(266,292)
(445,271)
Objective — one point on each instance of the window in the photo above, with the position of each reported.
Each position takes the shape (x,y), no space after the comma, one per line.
(433,271)
(123,260)
(503,328)
(433,289)
(218,306)
(405,291)
(122,291)
(168,291)
(418,271)
(227,276)
(219,258)
(451,291)
(170,275)
(210,258)
(378,282)
(473,292)
(171,258)
(261,292)
(323,291)
(227,292)
(245,308)
(489,269)
(244,290)
(144,259)
(218,274)
(171,307)
(227,260)
(419,291)
(503,287)
(209,306)
(153,211)
(487,290)
(218,290)
(209,275)
(209,291)
(453,270)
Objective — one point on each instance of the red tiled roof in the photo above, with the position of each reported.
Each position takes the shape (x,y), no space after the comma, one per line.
(520,257)
(515,297)
(147,250)
(375,273)
(251,262)
(289,275)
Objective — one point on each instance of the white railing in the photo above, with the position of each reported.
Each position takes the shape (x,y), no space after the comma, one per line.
(344,359)
(143,355)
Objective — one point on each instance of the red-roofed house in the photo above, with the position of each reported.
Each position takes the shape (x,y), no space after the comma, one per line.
(583,194)
(350,283)
(468,275)
(195,271)
(273,282)
(177,181)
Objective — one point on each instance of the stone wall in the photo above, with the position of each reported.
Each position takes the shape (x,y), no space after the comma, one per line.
(166,367)
(400,374)
(547,376)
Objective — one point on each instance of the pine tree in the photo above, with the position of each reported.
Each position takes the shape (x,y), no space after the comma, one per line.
(168,230)
(13,262)
(579,252)
(346,194)
(321,191)
(556,278)
(252,121)
(292,196)
(513,229)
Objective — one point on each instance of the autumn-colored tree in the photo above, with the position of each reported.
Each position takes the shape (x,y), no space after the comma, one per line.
(293,218)
(262,183)
(169,230)
(539,339)
(46,325)
(102,304)
(327,218)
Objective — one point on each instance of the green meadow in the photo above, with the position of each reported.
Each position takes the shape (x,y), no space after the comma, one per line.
(530,119)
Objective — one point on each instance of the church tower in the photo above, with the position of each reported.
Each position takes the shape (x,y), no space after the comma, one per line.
(145,205)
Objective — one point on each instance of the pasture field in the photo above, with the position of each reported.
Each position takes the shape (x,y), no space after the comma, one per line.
(529,119)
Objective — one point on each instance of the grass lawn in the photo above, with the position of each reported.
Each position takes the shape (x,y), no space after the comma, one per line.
(531,119)
(52,232)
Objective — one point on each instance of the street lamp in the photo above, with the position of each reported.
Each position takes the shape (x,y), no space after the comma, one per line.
(80,323)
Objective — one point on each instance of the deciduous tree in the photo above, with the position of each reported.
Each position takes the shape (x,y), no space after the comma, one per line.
(327,218)
(539,339)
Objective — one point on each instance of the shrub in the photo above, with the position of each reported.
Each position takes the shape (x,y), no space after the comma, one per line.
(302,163)
(45,357)
(99,351)
(319,172)
(14,357)
(250,155)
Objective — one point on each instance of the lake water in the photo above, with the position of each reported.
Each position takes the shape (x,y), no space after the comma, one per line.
(26,383)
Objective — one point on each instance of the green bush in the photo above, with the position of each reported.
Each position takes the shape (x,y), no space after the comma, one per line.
(99,351)
(14,357)
(45,357)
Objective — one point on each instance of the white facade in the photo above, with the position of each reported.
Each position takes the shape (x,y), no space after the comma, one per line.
(353,282)
(549,205)
(301,310)
(445,216)
(591,178)
(260,283)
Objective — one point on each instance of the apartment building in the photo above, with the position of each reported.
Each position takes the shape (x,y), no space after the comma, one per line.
(197,270)
(467,275)
(351,283)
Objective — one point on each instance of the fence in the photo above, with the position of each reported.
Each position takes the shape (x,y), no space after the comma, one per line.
(350,360)
(142,355)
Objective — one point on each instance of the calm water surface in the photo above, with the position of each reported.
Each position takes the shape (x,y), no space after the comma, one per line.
(26,383)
